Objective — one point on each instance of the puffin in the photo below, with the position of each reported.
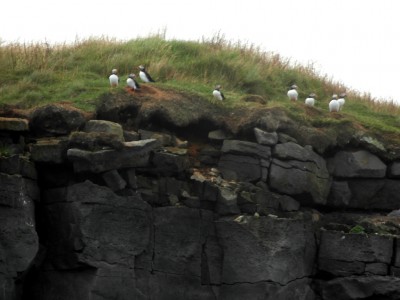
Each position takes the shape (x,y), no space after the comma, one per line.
(292,93)
(144,76)
(310,100)
(114,80)
(218,94)
(341,100)
(334,104)
(132,83)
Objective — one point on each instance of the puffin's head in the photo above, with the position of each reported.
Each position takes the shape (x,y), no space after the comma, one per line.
(141,67)
(334,96)
(342,95)
(312,95)
(132,76)
(294,87)
(114,71)
(218,87)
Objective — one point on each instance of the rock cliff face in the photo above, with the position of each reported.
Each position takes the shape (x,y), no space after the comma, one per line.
(133,204)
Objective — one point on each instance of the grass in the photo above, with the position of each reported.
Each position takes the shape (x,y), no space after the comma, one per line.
(36,74)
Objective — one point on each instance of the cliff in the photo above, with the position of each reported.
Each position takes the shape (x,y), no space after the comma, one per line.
(162,195)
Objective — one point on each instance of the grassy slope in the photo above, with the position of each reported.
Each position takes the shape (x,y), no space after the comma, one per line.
(36,74)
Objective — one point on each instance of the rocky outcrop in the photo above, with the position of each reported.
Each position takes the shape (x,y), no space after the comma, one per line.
(297,170)
(19,241)
(55,120)
(259,210)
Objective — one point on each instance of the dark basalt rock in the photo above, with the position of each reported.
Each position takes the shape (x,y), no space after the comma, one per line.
(249,212)
(55,120)
(356,164)
(297,170)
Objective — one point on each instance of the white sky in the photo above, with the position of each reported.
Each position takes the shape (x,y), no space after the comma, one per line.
(356,42)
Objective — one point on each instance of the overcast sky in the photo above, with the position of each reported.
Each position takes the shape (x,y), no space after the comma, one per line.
(356,42)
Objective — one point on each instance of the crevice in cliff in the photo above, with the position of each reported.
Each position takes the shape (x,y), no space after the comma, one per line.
(268,282)
(153,254)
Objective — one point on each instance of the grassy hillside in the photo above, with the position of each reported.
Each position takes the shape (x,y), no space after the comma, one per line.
(35,74)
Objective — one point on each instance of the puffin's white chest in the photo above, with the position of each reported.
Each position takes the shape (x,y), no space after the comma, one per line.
(143,76)
(292,94)
(217,95)
(113,80)
(334,105)
(309,101)
(131,83)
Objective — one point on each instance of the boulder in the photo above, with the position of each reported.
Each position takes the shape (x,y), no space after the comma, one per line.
(104,126)
(49,150)
(134,154)
(357,164)
(14,124)
(56,120)
(246,148)
(95,141)
(299,171)
(293,151)
(244,161)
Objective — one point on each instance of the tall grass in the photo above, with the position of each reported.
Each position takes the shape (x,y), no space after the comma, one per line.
(37,73)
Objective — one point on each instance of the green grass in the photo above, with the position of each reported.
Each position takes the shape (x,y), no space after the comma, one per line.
(36,74)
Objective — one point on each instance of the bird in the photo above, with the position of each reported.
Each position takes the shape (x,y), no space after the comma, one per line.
(217,93)
(341,100)
(114,80)
(310,100)
(144,76)
(132,83)
(292,93)
(334,104)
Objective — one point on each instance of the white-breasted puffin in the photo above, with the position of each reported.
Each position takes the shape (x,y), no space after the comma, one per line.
(341,100)
(218,94)
(310,100)
(334,104)
(132,83)
(292,93)
(144,76)
(114,80)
